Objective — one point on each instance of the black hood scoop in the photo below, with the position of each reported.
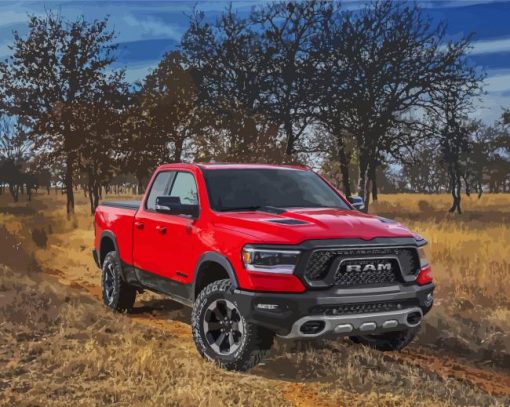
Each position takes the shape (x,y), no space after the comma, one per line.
(288,221)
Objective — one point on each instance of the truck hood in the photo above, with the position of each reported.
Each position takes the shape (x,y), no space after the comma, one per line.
(297,225)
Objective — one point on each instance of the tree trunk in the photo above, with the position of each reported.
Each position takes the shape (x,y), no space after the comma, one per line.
(290,139)
(91,201)
(468,186)
(140,186)
(363,189)
(13,189)
(344,168)
(456,193)
(94,189)
(95,193)
(373,180)
(69,183)
(178,149)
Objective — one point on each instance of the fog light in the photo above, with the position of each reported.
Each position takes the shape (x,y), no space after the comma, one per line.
(270,307)
(312,327)
(429,299)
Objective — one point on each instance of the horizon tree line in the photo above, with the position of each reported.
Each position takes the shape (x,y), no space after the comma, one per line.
(353,93)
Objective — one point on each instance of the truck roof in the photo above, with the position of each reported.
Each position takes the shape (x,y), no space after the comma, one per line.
(230,166)
(216,166)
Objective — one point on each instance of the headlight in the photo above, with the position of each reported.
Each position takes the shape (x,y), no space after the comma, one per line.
(270,261)
(423,259)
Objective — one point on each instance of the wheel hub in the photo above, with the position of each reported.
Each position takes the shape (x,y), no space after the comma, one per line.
(223,327)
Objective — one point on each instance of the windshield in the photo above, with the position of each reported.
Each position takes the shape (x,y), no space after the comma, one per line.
(251,189)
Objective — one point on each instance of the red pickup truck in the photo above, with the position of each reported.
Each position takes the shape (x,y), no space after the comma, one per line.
(259,251)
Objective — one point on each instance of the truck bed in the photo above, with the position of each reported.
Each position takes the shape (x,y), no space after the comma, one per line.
(122,204)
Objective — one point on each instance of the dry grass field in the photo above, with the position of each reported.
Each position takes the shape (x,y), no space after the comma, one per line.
(60,346)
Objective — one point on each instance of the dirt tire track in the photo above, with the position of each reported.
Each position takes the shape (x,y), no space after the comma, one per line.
(305,396)
(446,366)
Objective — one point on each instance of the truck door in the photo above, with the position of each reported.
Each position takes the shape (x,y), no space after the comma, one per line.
(163,242)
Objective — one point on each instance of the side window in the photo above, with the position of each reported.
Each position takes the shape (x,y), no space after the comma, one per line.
(185,188)
(160,186)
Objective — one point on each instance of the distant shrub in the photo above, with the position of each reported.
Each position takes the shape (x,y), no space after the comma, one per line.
(40,237)
(424,206)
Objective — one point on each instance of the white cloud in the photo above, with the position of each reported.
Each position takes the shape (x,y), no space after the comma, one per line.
(491,46)
(153,27)
(10,17)
(498,82)
(4,50)
(491,105)
(490,108)
(138,72)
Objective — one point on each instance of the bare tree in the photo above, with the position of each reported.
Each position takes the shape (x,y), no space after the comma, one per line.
(392,58)
(228,66)
(452,103)
(169,100)
(288,32)
(103,123)
(57,67)
(14,154)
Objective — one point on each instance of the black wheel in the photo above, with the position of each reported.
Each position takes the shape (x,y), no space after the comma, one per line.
(390,341)
(223,335)
(117,294)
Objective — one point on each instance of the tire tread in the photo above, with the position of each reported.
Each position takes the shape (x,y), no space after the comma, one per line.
(257,342)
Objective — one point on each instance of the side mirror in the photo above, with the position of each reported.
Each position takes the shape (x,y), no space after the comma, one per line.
(357,202)
(172,205)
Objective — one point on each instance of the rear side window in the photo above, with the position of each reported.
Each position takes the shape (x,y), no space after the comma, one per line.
(160,186)
(185,188)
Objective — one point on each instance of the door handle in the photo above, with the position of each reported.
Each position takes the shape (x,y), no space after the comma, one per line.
(161,229)
(139,225)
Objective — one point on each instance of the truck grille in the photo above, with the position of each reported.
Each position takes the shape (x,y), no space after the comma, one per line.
(364,308)
(348,278)
(320,263)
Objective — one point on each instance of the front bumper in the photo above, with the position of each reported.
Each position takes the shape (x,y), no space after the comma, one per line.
(286,314)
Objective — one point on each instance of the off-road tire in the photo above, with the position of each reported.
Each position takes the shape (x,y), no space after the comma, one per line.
(390,341)
(255,343)
(117,294)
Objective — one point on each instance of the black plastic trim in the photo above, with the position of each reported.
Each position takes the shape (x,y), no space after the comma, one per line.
(295,306)
(219,259)
(176,291)
(134,205)
(109,235)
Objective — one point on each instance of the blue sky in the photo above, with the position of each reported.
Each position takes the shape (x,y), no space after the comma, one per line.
(147,29)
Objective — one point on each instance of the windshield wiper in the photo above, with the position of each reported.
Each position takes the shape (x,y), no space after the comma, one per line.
(261,208)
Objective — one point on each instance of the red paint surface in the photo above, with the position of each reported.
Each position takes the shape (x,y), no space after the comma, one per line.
(180,248)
